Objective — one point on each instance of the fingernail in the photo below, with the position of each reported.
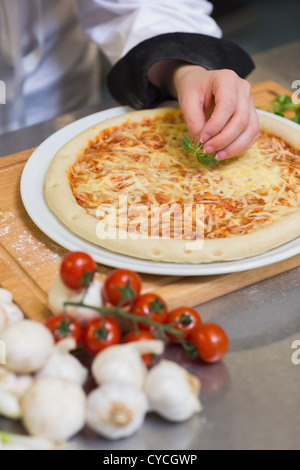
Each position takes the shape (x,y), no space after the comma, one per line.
(204,138)
(221,155)
(209,150)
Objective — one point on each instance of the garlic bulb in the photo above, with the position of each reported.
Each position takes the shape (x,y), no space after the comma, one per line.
(12,312)
(19,442)
(12,388)
(15,384)
(59,293)
(3,319)
(6,296)
(9,311)
(123,363)
(29,345)
(54,409)
(63,365)
(9,405)
(172,392)
(116,410)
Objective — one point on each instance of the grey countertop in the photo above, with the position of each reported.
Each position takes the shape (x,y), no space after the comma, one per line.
(250,400)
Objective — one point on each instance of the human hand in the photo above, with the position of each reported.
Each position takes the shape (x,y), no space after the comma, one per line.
(218,109)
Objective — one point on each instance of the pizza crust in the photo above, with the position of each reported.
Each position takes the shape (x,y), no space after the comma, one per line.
(62,202)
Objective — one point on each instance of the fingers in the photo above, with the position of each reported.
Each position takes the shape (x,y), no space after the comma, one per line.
(190,83)
(233,123)
(234,119)
(244,141)
(226,102)
(192,106)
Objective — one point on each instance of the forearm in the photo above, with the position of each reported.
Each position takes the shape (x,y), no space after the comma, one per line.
(129,82)
(166,74)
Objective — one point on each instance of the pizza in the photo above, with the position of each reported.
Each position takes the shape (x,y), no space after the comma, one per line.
(128,186)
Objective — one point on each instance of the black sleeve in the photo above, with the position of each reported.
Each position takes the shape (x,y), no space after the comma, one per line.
(127,80)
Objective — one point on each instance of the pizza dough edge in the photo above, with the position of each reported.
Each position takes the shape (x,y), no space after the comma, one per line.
(61,201)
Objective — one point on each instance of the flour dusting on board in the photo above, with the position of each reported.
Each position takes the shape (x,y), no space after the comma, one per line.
(25,244)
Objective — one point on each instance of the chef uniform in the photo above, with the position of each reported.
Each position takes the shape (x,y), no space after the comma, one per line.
(49,52)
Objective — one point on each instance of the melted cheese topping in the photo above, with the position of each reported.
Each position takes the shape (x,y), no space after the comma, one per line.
(145,163)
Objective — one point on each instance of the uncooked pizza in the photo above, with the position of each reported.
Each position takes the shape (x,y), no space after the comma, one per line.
(128,185)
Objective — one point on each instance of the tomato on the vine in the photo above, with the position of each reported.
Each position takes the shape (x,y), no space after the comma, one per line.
(186,320)
(64,326)
(150,306)
(99,334)
(122,287)
(77,270)
(211,342)
(140,335)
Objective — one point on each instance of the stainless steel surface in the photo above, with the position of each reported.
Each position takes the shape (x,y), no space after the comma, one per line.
(251,400)
(30,137)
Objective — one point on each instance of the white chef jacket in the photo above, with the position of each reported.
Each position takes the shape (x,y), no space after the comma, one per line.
(48,57)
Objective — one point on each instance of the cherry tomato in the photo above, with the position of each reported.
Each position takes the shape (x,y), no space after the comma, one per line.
(121,287)
(150,306)
(140,335)
(77,269)
(187,320)
(98,335)
(64,326)
(211,342)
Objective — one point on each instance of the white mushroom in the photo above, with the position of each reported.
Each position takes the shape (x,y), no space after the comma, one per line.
(116,410)
(63,365)
(54,409)
(123,363)
(172,392)
(29,345)
(59,293)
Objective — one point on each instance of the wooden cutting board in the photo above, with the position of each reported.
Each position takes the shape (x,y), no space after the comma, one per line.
(29,260)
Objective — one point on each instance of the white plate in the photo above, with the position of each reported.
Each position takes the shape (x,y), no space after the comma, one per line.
(32,183)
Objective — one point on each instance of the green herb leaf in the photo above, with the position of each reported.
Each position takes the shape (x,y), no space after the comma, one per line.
(187,145)
(283,103)
(202,157)
(206,159)
(297,116)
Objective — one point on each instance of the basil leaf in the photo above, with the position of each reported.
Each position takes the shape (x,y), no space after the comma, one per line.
(297,116)
(187,145)
(206,159)
(284,100)
(201,157)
